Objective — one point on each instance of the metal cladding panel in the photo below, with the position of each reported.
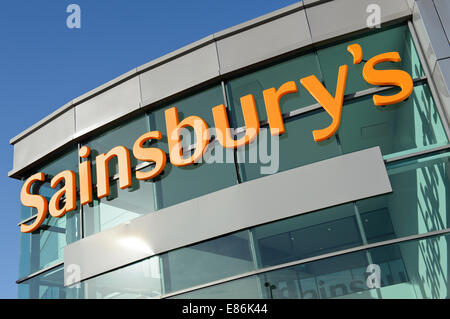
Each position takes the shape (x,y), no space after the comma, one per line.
(441,77)
(308,188)
(434,28)
(179,74)
(263,42)
(443,9)
(44,140)
(108,106)
(335,18)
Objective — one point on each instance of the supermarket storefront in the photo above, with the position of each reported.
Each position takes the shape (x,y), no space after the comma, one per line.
(335,183)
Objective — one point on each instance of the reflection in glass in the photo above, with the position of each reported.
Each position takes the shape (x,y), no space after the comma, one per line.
(45,246)
(207,261)
(419,203)
(49,285)
(141,280)
(246,288)
(411,125)
(122,205)
(412,269)
(306,235)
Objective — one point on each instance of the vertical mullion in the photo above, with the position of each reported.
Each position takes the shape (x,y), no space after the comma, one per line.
(430,81)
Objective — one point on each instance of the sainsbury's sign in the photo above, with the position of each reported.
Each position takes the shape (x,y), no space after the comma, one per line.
(272,97)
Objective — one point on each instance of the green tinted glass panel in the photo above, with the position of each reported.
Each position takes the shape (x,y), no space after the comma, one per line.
(246,288)
(419,203)
(120,206)
(178,184)
(413,269)
(398,129)
(67,160)
(208,261)
(45,246)
(123,134)
(273,77)
(426,264)
(49,285)
(140,280)
(294,148)
(324,278)
(306,235)
(396,39)
(416,269)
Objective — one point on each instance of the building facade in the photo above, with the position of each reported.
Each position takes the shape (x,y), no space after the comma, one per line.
(362,213)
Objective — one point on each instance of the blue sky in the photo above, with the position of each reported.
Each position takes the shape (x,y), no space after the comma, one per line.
(44,64)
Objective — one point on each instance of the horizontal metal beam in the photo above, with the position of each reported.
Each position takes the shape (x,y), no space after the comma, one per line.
(300,190)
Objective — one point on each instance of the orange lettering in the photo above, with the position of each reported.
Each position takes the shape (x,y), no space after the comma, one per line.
(32,200)
(85,176)
(69,190)
(102,161)
(388,77)
(151,154)
(174,127)
(223,127)
(272,99)
(333,105)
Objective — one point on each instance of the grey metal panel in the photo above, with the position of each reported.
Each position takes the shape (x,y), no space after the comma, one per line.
(336,18)
(41,123)
(179,74)
(259,20)
(430,31)
(443,10)
(308,3)
(107,106)
(319,185)
(44,140)
(441,77)
(106,86)
(177,53)
(411,4)
(263,41)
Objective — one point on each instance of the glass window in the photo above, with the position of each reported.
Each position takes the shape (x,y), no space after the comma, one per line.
(140,280)
(273,77)
(207,261)
(425,267)
(45,246)
(306,235)
(419,203)
(407,270)
(398,129)
(178,184)
(326,278)
(49,285)
(124,134)
(296,147)
(377,42)
(412,269)
(120,206)
(246,288)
